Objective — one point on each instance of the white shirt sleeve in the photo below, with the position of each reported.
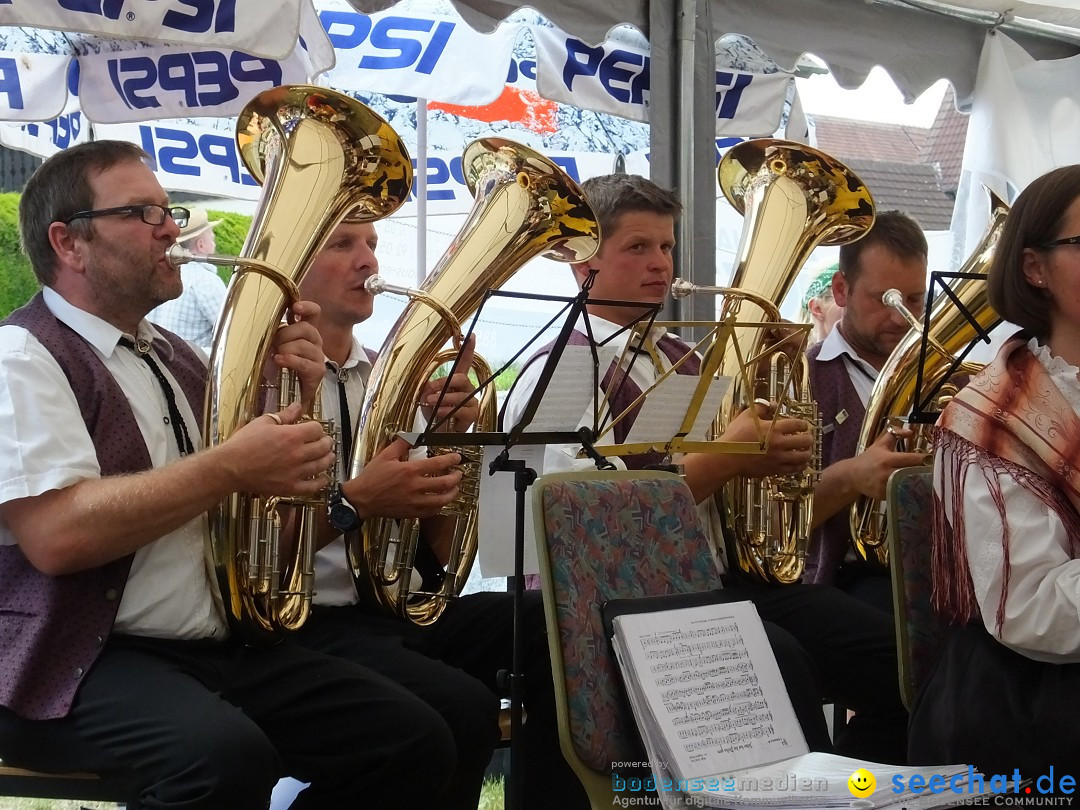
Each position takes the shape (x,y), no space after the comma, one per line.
(1042,611)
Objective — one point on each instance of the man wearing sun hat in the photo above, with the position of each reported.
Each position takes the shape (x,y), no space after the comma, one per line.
(194,314)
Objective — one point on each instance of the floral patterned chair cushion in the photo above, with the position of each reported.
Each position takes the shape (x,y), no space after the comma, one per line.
(609,536)
(919,631)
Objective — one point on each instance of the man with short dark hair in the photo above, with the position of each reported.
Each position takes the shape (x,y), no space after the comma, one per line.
(843,370)
(827,644)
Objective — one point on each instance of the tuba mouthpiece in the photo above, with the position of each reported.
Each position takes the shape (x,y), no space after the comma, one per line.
(892,298)
(177,254)
(681,288)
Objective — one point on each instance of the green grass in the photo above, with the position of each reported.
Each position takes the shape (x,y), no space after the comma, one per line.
(491,798)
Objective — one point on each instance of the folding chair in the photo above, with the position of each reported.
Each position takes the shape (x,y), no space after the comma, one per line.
(919,630)
(602,536)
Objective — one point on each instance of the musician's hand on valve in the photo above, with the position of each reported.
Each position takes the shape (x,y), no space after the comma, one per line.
(790,444)
(392,485)
(275,455)
(298,346)
(872,467)
(459,390)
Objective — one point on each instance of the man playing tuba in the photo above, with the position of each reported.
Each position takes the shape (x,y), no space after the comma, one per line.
(820,635)
(843,369)
(450,666)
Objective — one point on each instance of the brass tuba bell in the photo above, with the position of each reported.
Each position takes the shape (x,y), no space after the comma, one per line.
(319,155)
(793,199)
(904,381)
(524,206)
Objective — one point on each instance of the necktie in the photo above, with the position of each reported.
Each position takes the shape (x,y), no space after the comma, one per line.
(346,421)
(141,348)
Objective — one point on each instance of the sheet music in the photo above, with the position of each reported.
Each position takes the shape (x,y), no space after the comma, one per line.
(495,520)
(571,389)
(710,680)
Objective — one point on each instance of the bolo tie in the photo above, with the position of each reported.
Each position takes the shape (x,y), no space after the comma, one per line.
(141,347)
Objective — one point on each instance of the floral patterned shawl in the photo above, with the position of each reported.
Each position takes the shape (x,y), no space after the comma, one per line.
(1010,419)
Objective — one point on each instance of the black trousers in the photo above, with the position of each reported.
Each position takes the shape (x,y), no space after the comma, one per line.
(452,665)
(852,647)
(215,725)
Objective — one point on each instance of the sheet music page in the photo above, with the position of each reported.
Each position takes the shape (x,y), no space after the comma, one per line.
(710,407)
(712,686)
(571,389)
(497,507)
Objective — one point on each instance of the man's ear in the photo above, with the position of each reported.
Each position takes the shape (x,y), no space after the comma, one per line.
(840,289)
(581,271)
(68,250)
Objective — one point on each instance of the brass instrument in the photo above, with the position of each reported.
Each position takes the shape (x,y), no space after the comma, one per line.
(524,206)
(319,155)
(793,199)
(897,389)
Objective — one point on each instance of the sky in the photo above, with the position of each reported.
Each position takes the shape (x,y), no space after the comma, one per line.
(877,100)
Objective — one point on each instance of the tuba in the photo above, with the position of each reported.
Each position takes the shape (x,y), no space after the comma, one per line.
(905,382)
(793,199)
(524,206)
(319,155)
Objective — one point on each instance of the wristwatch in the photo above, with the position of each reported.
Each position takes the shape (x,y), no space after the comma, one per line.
(341,513)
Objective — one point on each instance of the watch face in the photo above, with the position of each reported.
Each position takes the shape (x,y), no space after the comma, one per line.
(343,517)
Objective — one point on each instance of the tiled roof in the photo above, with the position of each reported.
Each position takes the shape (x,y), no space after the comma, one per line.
(909,187)
(846,139)
(944,146)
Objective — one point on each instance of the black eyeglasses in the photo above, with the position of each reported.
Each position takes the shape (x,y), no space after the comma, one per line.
(150,214)
(1069,240)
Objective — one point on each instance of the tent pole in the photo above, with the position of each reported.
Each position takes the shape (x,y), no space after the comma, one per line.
(420,186)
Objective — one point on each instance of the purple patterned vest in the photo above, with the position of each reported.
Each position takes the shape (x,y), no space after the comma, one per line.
(53,628)
(623,390)
(832,388)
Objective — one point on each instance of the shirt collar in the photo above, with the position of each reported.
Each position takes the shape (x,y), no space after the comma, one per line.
(602,329)
(358,358)
(100,334)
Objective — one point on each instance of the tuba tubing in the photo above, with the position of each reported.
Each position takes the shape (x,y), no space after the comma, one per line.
(524,206)
(793,199)
(319,155)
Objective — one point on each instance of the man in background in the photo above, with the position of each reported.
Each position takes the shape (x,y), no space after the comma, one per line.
(843,370)
(819,307)
(194,314)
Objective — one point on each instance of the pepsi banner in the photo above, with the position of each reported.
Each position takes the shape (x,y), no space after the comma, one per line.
(269,28)
(428,56)
(614,78)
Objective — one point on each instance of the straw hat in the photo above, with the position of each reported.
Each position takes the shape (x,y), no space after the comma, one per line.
(197,223)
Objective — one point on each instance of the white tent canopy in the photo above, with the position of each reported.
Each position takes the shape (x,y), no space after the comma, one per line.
(916,41)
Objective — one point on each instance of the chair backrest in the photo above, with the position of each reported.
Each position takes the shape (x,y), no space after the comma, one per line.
(919,630)
(602,536)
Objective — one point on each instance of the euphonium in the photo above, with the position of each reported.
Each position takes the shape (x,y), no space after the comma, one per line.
(524,206)
(904,382)
(793,199)
(319,155)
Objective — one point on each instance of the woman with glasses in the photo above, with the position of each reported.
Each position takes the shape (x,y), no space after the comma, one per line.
(1006,691)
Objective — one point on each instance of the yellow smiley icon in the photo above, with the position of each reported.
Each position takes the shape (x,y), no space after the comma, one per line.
(862,783)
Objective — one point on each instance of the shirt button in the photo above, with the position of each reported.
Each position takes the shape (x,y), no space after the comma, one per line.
(111,594)
(78,672)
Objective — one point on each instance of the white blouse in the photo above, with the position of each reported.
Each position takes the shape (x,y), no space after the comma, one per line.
(1042,611)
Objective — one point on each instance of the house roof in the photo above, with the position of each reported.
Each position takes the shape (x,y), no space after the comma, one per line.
(909,187)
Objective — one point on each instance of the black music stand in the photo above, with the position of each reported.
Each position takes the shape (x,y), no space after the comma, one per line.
(571,313)
(922,413)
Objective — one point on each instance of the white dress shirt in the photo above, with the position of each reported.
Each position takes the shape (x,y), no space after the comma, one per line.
(333,579)
(1042,611)
(862,374)
(44,445)
(565,457)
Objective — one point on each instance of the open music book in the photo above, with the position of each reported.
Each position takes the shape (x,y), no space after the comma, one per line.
(719,728)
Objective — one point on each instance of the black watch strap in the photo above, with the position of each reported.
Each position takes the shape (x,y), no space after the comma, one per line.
(341,513)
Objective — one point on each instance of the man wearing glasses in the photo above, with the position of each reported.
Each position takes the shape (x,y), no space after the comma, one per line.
(115,656)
